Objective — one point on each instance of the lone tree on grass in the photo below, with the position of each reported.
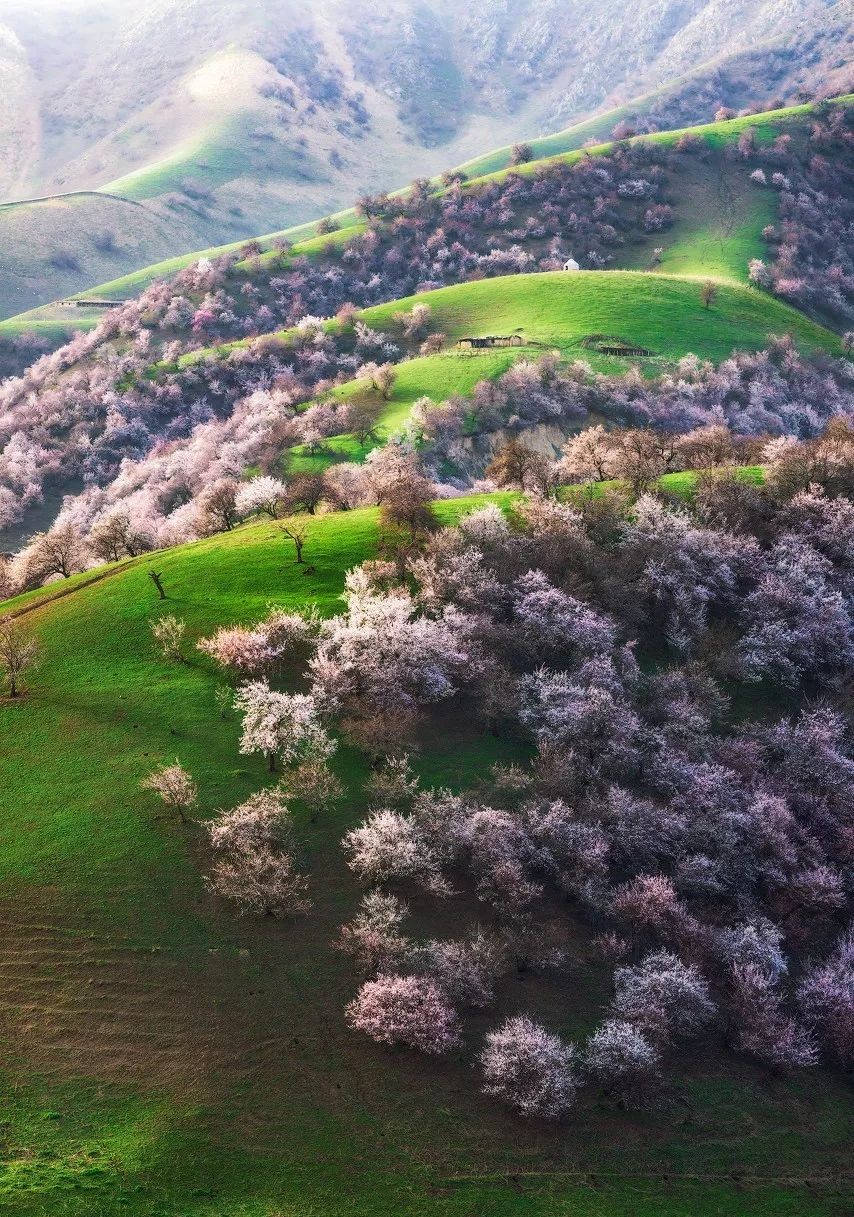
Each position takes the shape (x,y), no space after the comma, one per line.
(169,635)
(18,651)
(709,293)
(521,153)
(157,580)
(296,530)
(176,788)
(362,417)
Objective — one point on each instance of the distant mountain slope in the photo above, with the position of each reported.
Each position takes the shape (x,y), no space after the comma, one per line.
(18,113)
(719,217)
(228,119)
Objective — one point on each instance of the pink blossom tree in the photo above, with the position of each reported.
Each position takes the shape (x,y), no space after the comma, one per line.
(588,456)
(261,881)
(262,820)
(760,1025)
(650,902)
(243,651)
(254,867)
(373,938)
(826,1000)
(465,970)
(408,1010)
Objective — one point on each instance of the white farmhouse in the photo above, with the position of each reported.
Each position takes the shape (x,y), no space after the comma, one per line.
(571,264)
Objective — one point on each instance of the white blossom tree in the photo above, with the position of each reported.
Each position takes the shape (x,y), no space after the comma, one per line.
(530,1069)
(261,494)
(373,938)
(665,998)
(176,788)
(254,867)
(284,725)
(387,846)
(169,633)
(623,1061)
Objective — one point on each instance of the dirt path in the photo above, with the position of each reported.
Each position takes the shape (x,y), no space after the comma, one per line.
(97,577)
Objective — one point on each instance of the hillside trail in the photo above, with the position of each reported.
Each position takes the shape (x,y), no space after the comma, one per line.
(63,592)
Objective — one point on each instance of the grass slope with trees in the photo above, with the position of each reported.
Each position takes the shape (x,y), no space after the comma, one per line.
(225,120)
(718,225)
(555,313)
(215,322)
(161,1056)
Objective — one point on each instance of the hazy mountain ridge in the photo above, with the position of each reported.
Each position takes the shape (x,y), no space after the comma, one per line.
(541,62)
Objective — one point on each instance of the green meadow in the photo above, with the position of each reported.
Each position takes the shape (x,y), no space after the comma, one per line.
(555,312)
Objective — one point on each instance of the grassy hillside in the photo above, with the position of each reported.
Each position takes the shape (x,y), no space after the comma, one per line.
(127,286)
(44,244)
(435,376)
(162,1056)
(663,313)
(719,214)
(597,127)
(556,312)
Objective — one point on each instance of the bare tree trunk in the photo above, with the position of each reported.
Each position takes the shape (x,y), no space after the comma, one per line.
(155,577)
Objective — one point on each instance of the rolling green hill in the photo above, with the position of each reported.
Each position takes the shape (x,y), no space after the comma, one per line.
(162,1056)
(661,312)
(557,312)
